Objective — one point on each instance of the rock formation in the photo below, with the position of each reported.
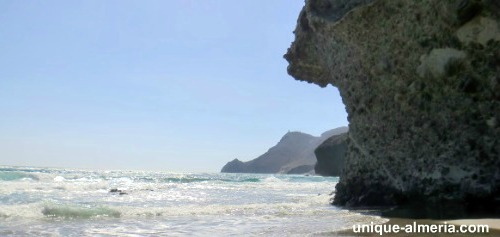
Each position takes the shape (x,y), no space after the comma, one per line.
(330,155)
(421,85)
(294,154)
(234,166)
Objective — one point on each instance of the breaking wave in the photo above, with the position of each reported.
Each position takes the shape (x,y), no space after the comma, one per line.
(67,211)
(195,179)
(15,175)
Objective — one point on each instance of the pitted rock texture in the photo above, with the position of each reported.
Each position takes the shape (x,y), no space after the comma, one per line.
(421,84)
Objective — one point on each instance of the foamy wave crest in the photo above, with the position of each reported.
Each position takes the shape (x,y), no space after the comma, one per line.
(247,180)
(189,179)
(272,179)
(59,179)
(73,211)
(302,206)
(67,211)
(23,211)
(42,210)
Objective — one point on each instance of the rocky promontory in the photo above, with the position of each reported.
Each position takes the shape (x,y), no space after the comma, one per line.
(330,155)
(421,84)
(294,154)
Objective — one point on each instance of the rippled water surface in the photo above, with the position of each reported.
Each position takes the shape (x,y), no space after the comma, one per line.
(65,202)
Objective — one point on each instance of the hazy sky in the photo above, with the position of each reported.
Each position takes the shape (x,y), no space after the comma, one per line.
(177,85)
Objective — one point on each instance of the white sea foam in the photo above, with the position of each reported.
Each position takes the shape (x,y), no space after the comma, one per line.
(272,179)
(59,179)
(80,203)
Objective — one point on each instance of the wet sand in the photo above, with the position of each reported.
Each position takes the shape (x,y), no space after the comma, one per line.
(492,223)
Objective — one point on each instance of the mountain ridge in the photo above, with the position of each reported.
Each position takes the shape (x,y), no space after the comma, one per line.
(294,153)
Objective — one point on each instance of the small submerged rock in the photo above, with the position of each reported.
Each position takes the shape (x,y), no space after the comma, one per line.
(115,190)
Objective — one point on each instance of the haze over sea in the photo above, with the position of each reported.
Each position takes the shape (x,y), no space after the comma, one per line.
(71,202)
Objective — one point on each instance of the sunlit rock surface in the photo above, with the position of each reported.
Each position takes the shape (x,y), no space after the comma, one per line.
(421,85)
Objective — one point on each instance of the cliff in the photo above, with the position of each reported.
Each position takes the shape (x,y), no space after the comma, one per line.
(421,84)
(294,154)
(330,155)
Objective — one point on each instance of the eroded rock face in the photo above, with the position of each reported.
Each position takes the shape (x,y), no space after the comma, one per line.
(421,85)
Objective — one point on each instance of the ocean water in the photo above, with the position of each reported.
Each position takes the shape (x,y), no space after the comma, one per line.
(70,202)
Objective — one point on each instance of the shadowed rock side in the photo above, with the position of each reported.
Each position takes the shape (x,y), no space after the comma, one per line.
(330,155)
(233,166)
(421,85)
(294,154)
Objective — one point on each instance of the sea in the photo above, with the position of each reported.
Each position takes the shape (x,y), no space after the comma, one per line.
(73,202)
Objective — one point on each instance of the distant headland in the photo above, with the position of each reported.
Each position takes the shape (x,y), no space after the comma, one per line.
(295,154)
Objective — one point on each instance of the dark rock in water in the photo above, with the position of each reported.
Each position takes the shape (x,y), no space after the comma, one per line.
(115,190)
(331,155)
(418,79)
(294,153)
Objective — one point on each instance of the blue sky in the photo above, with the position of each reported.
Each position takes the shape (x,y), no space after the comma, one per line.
(178,85)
